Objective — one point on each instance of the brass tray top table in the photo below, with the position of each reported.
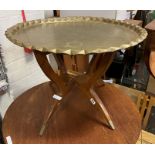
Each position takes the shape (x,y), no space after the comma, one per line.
(78,36)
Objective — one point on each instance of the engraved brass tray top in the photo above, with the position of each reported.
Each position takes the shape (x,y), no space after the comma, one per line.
(76,35)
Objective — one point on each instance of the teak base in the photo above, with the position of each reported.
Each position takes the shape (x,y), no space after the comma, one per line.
(76,121)
(66,80)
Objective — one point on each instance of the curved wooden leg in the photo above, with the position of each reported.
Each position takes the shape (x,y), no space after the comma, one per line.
(51,112)
(98,66)
(47,69)
(94,98)
(55,107)
(59,81)
(103,108)
(101,65)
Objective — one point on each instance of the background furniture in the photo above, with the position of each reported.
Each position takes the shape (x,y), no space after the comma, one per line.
(151,86)
(146,138)
(1,138)
(128,67)
(150,48)
(143,102)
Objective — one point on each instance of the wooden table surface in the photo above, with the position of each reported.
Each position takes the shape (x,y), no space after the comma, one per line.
(151,25)
(150,48)
(136,22)
(77,121)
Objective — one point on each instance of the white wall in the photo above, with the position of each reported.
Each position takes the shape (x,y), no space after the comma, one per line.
(5,101)
(22,69)
(96,13)
(112,14)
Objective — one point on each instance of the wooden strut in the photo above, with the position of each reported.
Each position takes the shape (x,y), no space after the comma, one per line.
(103,108)
(49,72)
(97,67)
(100,63)
(52,111)
(91,94)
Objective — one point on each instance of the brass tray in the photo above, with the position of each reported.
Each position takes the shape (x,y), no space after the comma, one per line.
(76,35)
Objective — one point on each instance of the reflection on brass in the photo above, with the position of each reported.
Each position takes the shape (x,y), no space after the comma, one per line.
(76,35)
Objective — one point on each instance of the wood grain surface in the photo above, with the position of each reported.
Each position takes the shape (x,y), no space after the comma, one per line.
(76,121)
(150,48)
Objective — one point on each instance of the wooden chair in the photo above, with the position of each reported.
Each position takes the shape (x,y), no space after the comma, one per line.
(136,96)
(150,104)
(143,102)
(146,138)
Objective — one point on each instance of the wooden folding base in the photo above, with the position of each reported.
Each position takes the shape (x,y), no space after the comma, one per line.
(85,81)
